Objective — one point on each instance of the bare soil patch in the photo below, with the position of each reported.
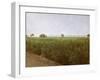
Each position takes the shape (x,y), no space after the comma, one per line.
(33,60)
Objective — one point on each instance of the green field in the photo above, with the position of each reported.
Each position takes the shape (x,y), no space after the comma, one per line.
(63,50)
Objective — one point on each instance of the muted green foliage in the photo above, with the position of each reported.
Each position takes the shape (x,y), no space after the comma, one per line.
(63,50)
(43,35)
(62,35)
(32,35)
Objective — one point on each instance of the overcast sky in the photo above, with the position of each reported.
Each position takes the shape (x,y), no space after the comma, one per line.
(56,24)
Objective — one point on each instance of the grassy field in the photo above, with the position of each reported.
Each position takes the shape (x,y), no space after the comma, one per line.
(63,50)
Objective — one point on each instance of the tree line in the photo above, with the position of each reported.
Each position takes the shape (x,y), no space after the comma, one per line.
(44,35)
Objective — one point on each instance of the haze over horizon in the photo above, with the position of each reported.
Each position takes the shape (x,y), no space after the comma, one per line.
(57,24)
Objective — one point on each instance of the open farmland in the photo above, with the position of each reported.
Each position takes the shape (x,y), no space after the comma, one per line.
(57,50)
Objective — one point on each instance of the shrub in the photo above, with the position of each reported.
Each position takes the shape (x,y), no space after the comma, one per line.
(88,35)
(32,35)
(62,35)
(43,35)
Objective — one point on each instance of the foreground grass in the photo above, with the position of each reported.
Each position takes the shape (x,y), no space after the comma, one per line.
(65,51)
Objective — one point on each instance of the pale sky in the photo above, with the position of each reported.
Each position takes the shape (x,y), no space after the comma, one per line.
(56,24)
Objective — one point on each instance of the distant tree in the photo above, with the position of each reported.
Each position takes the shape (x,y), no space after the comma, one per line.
(88,35)
(32,35)
(62,35)
(26,35)
(43,35)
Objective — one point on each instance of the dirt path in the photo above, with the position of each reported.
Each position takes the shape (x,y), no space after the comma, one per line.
(33,60)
